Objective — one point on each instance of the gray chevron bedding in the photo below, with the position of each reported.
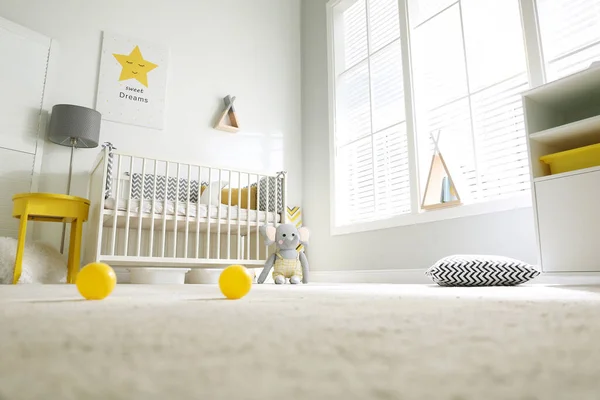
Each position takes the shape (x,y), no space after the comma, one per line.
(164,186)
(171,190)
(109,176)
(275,186)
(168,187)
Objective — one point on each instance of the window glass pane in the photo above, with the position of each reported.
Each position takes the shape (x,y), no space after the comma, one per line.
(568,27)
(353,40)
(384,23)
(392,179)
(387,87)
(500,137)
(354,107)
(421,10)
(439,64)
(574,63)
(494,41)
(371,164)
(452,124)
(354,178)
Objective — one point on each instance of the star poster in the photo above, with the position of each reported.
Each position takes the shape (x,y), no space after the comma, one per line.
(132,82)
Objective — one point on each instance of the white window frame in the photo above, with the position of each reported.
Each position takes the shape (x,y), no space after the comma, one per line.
(536,74)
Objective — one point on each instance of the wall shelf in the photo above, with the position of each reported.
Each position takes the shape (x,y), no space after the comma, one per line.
(576,134)
(576,88)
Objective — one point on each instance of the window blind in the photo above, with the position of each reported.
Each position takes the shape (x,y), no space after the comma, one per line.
(500,136)
(570,35)
(371,166)
(470,69)
(497,72)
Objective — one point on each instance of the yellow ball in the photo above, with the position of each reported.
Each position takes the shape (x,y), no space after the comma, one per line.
(235,282)
(96,281)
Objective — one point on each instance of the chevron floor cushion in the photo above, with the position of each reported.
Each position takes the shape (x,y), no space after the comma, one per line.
(480,270)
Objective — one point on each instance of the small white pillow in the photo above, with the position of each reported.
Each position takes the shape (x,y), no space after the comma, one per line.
(215,196)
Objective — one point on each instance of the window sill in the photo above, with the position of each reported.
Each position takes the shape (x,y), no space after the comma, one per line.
(424,217)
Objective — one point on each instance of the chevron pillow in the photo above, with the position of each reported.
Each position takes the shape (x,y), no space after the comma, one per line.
(262,195)
(478,270)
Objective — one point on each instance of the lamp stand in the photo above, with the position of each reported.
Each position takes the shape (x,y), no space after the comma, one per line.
(62,239)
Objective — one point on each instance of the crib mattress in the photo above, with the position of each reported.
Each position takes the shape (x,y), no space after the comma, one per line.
(195,210)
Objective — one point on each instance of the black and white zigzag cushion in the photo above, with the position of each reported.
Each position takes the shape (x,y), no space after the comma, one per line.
(480,270)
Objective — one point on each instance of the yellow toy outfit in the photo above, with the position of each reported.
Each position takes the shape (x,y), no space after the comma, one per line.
(287,268)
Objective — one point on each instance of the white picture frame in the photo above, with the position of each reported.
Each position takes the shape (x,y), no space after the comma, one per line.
(132,81)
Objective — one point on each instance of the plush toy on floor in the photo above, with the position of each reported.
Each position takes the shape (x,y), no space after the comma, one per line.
(287,262)
(42,263)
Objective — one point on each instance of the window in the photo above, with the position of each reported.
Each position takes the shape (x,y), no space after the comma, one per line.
(406,71)
(570,35)
(371,155)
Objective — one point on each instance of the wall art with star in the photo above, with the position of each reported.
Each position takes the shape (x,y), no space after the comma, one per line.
(133,81)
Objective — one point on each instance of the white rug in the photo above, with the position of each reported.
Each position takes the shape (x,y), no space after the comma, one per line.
(307,342)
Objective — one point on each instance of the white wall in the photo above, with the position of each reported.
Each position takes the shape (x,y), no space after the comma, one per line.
(249,49)
(411,247)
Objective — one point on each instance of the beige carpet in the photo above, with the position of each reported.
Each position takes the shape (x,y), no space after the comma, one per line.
(308,342)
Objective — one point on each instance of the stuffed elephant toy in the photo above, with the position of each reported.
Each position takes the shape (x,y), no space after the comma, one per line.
(287,262)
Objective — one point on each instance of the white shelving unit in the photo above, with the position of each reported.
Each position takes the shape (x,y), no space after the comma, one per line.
(559,116)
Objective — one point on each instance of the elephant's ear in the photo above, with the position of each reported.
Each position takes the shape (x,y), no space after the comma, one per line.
(268,233)
(304,234)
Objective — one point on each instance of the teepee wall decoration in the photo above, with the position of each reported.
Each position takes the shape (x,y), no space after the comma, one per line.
(440,190)
(229,112)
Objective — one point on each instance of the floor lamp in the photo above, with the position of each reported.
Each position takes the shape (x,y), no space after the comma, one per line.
(75,127)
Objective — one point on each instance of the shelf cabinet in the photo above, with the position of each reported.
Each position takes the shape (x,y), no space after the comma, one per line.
(568,213)
(559,116)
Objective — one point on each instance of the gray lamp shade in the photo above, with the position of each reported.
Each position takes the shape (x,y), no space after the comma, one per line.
(76,126)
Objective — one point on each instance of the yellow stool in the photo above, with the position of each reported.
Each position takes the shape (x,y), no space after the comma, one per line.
(49,207)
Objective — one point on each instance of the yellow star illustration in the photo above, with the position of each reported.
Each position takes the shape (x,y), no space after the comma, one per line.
(134,66)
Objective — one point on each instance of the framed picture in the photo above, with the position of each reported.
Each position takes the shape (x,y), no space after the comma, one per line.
(133,81)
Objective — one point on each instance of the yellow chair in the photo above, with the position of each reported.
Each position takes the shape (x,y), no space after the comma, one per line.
(47,207)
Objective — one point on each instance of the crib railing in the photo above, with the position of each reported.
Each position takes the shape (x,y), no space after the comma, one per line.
(148,211)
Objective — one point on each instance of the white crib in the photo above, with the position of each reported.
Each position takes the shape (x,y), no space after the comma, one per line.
(156,213)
